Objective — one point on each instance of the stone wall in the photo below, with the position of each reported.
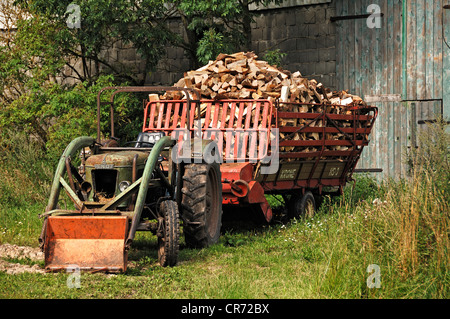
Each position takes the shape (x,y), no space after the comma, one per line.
(303,32)
(171,68)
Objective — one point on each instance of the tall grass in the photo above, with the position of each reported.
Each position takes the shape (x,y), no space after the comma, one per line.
(25,170)
(402,226)
(25,179)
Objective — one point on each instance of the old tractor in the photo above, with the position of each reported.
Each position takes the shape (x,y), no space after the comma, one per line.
(116,191)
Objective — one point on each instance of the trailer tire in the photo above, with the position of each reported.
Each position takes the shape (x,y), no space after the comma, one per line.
(169,236)
(302,206)
(201,204)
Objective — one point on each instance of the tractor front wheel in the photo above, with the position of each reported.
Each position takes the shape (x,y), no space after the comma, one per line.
(168,233)
(201,202)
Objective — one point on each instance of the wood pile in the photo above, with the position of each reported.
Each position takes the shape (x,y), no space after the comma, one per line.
(243,76)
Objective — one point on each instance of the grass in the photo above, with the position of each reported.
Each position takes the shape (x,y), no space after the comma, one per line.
(400,226)
(20,225)
(323,257)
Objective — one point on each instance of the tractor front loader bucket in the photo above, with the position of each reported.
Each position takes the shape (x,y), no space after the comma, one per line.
(95,236)
(93,243)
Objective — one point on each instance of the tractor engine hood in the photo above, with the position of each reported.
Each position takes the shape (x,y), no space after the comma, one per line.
(116,160)
(110,174)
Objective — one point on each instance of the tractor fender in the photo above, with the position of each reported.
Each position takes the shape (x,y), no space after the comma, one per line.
(196,151)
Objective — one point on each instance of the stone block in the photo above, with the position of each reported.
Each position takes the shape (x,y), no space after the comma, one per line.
(327,54)
(290,18)
(263,45)
(310,16)
(312,56)
(257,33)
(330,67)
(127,55)
(307,69)
(328,41)
(320,68)
(278,33)
(298,31)
(313,30)
(320,15)
(330,12)
(288,45)
(301,44)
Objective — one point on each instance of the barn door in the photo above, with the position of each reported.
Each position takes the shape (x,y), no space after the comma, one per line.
(390,53)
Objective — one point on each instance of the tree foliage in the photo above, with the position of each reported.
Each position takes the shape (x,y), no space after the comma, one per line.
(217,26)
(104,24)
(51,105)
(34,96)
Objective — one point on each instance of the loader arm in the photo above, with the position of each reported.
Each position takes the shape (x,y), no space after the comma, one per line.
(76,144)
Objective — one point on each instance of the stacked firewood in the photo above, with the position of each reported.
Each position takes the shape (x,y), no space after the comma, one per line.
(243,76)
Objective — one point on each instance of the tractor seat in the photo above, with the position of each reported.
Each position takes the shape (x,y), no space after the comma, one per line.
(148,139)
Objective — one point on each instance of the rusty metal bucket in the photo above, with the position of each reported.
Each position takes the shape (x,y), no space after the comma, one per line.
(94,243)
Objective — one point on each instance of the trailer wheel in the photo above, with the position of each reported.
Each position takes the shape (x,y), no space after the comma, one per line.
(302,206)
(168,233)
(201,204)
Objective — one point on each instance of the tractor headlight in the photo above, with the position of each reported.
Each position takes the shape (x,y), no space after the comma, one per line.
(124,185)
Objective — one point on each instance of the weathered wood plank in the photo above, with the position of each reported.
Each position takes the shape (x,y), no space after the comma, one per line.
(430,12)
(411,54)
(345,41)
(421,34)
(352,24)
(365,58)
(397,47)
(438,50)
(380,58)
(398,110)
(446,65)
(359,38)
(389,67)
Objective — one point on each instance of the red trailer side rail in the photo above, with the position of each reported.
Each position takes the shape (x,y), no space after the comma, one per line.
(325,160)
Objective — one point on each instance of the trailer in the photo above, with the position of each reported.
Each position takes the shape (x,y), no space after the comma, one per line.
(256,156)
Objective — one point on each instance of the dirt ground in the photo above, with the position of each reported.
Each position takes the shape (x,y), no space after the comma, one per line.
(8,251)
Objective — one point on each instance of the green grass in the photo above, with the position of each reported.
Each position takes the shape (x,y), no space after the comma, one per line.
(400,226)
(323,257)
(20,225)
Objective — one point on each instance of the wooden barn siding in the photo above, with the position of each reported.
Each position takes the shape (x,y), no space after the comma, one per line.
(369,63)
(424,53)
(446,64)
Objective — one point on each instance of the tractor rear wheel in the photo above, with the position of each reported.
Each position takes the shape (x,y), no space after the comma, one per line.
(168,234)
(201,202)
